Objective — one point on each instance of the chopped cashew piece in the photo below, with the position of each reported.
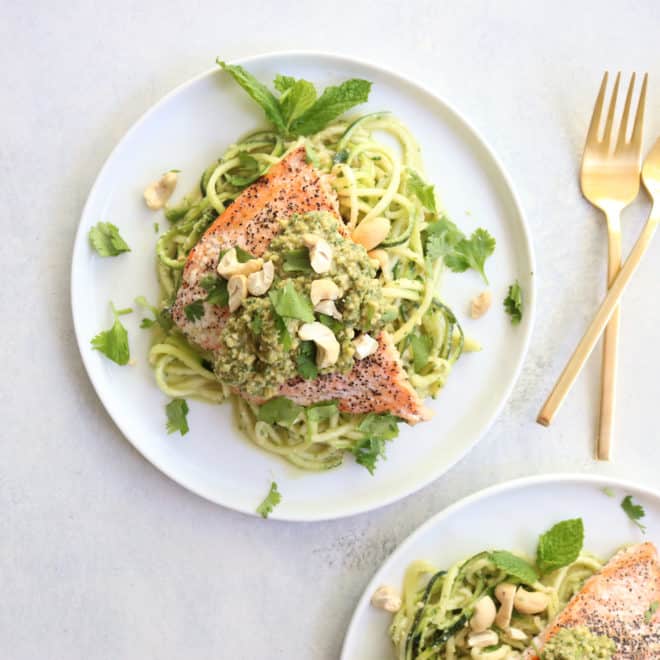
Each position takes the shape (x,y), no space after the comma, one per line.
(517,634)
(480,304)
(327,346)
(229,265)
(530,602)
(386,598)
(324,289)
(157,193)
(365,345)
(482,639)
(484,614)
(258,283)
(371,233)
(328,308)
(505,594)
(237,290)
(320,253)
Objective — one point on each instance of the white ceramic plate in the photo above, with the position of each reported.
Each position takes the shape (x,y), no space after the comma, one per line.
(509,516)
(188,129)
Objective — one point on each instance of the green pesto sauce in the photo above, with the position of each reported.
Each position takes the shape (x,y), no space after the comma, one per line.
(578,644)
(254,358)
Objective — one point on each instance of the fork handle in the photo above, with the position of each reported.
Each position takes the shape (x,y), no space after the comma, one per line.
(610,344)
(607,307)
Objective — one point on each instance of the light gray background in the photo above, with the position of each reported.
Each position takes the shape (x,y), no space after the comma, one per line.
(101,556)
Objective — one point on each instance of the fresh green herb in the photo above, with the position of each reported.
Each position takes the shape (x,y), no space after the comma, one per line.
(177,420)
(156,227)
(306,360)
(653,608)
(389,315)
(311,156)
(340,157)
(421,350)
(279,410)
(113,343)
(321,411)
(296,97)
(289,303)
(377,429)
(368,451)
(330,322)
(284,334)
(634,511)
(146,322)
(297,261)
(256,325)
(270,501)
(472,253)
(249,169)
(384,425)
(216,289)
(242,256)
(165,319)
(442,237)
(105,239)
(194,311)
(513,303)
(608,491)
(425,192)
(514,566)
(175,171)
(560,546)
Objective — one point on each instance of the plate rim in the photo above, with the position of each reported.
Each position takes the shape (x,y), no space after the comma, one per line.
(553,478)
(481,143)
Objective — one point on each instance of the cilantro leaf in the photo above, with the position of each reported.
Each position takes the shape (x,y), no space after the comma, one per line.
(514,566)
(368,451)
(113,343)
(289,303)
(321,411)
(284,334)
(425,192)
(216,289)
(177,420)
(472,253)
(384,425)
(634,511)
(560,546)
(377,429)
(258,92)
(330,322)
(296,99)
(306,360)
(421,349)
(194,311)
(270,501)
(608,491)
(279,410)
(442,236)
(334,101)
(297,261)
(513,303)
(653,608)
(249,171)
(105,239)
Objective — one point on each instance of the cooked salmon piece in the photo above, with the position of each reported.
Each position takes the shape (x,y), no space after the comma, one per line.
(378,383)
(615,602)
(251,222)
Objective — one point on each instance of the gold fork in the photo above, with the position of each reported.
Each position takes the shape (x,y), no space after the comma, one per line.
(610,181)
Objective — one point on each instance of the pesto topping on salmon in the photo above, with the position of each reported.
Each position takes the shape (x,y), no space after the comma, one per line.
(578,644)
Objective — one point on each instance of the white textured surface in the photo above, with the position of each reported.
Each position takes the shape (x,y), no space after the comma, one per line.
(101,556)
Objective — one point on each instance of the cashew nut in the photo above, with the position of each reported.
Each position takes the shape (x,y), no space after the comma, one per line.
(484,614)
(505,594)
(157,193)
(320,253)
(371,233)
(237,290)
(327,346)
(517,634)
(530,602)
(482,639)
(328,308)
(229,265)
(502,653)
(480,304)
(381,257)
(324,289)
(386,598)
(365,345)
(258,283)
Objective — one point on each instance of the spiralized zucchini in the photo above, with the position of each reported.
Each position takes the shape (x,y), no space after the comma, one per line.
(369,161)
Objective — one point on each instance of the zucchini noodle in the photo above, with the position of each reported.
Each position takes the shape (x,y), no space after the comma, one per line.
(368,162)
(433,621)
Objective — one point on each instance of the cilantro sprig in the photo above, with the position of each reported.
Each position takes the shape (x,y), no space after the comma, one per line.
(105,239)
(271,500)
(513,303)
(634,511)
(113,343)
(378,429)
(177,416)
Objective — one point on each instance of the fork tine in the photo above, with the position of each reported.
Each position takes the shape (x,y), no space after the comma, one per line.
(623,127)
(592,134)
(607,135)
(636,139)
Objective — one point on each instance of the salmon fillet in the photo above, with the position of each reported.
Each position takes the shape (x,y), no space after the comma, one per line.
(615,602)
(377,383)
(251,222)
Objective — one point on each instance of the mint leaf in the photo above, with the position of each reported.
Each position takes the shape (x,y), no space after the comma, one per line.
(421,350)
(177,420)
(297,261)
(321,411)
(634,511)
(216,288)
(514,566)
(291,304)
(560,546)
(270,501)
(194,311)
(113,343)
(283,83)
(331,104)
(306,360)
(513,303)
(472,253)
(249,171)
(105,239)
(258,92)
(425,192)
(279,410)
(296,99)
